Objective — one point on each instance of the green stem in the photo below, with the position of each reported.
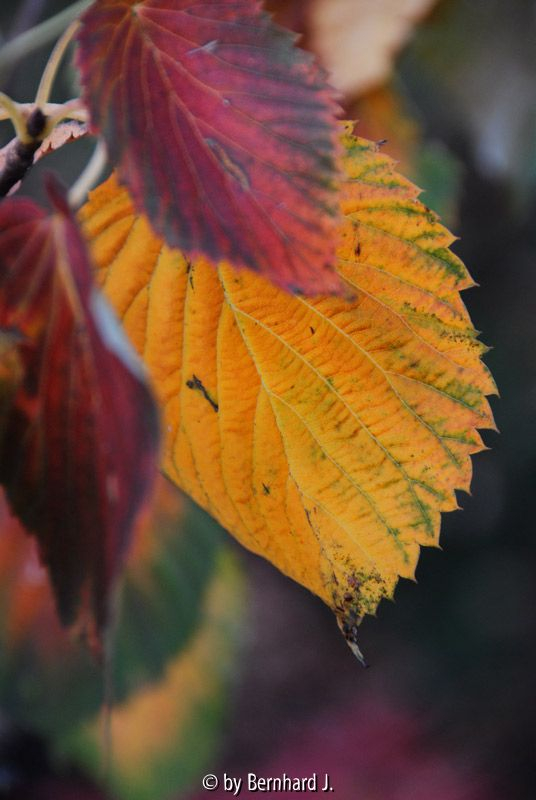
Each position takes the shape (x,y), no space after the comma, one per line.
(24,44)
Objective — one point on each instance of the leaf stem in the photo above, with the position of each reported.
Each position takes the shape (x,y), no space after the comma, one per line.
(54,112)
(24,44)
(53,63)
(90,175)
(13,111)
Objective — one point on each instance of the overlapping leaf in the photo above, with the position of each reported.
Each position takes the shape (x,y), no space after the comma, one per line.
(78,440)
(223,131)
(327,434)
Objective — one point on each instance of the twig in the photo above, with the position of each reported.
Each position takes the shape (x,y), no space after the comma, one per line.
(62,134)
(33,124)
(20,155)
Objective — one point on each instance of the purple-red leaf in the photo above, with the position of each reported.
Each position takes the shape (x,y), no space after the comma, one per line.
(223,131)
(78,441)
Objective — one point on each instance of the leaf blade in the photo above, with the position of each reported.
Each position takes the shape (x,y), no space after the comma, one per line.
(343,426)
(79,441)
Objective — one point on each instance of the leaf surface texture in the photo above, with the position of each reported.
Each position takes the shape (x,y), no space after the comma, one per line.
(328,433)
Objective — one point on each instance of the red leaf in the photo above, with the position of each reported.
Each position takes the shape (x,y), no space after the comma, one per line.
(223,131)
(78,445)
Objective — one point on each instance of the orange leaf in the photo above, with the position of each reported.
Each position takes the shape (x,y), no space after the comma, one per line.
(326,434)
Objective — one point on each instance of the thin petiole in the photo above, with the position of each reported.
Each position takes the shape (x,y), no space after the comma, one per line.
(53,63)
(89,177)
(13,111)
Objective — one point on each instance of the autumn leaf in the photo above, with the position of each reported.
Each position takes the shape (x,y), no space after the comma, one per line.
(78,442)
(223,131)
(326,434)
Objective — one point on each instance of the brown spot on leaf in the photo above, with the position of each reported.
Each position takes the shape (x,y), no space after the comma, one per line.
(196,384)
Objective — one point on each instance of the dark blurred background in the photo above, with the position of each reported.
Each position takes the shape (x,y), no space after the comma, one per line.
(447,709)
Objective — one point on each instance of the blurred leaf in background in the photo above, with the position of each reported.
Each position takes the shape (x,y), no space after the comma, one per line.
(176,642)
(385,114)
(474,66)
(165,734)
(358,40)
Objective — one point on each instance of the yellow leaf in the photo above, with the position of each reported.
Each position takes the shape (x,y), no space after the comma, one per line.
(326,434)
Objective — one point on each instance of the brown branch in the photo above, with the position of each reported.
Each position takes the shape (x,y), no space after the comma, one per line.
(20,155)
(16,158)
(19,159)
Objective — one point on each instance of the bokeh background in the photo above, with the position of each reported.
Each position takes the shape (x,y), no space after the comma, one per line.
(224,665)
